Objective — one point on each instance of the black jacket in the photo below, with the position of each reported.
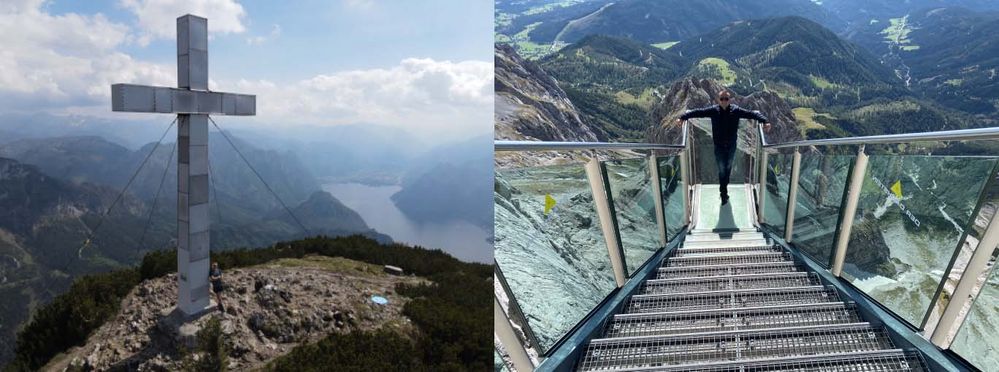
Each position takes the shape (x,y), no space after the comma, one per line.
(724,122)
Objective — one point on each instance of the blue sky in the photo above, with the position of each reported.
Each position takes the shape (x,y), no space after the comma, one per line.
(424,63)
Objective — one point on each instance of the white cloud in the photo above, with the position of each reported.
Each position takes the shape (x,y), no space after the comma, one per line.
(360,4)
(66,64)
(257,40)
(157,19)
(422,93)
(67,59)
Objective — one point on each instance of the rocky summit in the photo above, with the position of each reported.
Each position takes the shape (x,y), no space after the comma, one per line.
(269,310)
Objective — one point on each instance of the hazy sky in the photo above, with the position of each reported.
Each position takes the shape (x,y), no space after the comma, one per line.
(423,65)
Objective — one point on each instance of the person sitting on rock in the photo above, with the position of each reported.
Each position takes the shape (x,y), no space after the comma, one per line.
(215,277)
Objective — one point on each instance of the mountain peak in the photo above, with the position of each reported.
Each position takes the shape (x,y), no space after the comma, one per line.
(269,309)
(530,105)
(690,93)
(325,213)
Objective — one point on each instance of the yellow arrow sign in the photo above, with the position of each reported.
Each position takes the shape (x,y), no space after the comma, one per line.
(897,189)
(549,203)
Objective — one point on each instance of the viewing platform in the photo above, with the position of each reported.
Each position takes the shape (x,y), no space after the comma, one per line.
(849,254)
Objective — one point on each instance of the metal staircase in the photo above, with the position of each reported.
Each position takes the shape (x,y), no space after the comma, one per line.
(731,302)
(752,285)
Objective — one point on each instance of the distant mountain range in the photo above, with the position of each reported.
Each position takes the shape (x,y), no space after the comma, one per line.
(946,54)
(538,23)
(844,67)
(451,182)
(54,192)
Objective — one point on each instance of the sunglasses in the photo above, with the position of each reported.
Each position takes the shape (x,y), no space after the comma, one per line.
(723,99)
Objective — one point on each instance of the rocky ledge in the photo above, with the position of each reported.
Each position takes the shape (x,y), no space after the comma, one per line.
(269,310)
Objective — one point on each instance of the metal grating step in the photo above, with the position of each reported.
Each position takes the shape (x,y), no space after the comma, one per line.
(702,231)
(757,345)
(728,282)
(725,243)
(895,360)
(742,258)
(673,323)
(729,269)
(730,299)
(723,236)
(725,250)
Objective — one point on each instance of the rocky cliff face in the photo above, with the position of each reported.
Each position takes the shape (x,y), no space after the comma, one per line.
(692,93)
(530,106)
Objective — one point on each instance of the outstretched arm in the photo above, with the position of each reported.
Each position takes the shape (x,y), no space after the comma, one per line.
(698,113)
(755,115)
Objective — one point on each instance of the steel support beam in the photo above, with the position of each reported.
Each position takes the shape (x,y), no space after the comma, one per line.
(762,185)
(601,202)
(849,211)
(507,336)
(657,197)
(685,178)
(792,195)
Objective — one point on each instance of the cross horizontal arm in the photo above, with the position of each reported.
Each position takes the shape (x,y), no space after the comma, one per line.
(144,98)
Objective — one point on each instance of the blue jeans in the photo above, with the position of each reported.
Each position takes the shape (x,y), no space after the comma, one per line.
(724,157)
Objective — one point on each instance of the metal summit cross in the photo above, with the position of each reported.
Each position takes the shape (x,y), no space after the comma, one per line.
(192,102)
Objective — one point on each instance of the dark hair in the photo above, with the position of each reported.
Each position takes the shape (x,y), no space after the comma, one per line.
(724,91)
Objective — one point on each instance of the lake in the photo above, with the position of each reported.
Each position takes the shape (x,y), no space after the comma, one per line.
(374,203)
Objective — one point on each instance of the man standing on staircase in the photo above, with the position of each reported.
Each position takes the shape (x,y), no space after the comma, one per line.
(724,128)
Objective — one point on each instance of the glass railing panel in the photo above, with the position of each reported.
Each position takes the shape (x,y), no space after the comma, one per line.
(704,166)
(672,189)
(777,188)
(498,364)
(977,340)
(550,247)
(973,237)
(630,184)
(821,182)
(910,216)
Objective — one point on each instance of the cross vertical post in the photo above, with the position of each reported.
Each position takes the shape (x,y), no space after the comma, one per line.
(192,170)
(192,102)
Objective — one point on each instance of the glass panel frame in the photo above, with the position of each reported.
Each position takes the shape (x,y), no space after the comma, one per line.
(778,184)
(553,255)
(912,212)
(671,182)
(630,190)
(822,182)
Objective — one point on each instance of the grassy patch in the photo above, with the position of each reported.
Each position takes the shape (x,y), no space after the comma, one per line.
(720,67)
(895,107)
(503,19)
(821,83)
(898,32)
(335,264)
(527,48)
(551,6)
(644,100)
(807,115)
(665,45)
